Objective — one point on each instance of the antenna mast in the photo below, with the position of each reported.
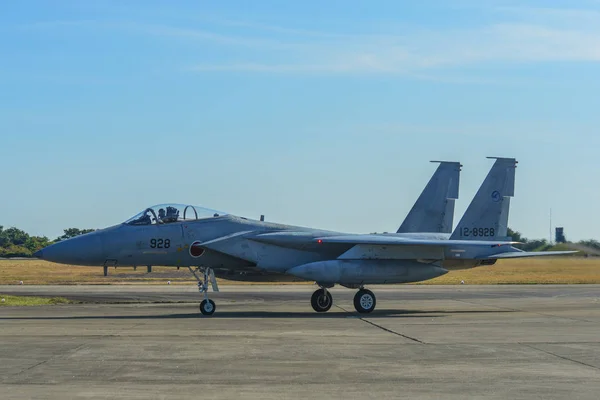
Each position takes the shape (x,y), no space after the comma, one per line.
(550,237)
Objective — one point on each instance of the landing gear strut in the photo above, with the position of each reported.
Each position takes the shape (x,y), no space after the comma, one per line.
(207,306)
(321,300)
(364,301)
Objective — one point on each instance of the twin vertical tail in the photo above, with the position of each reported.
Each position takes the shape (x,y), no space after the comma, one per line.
(434,209)
(487,215)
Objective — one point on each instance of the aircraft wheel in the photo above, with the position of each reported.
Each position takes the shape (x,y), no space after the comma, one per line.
(364,301)
(207,307)
(321,300)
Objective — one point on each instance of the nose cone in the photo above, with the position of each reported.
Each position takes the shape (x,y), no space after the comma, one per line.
(39,254)
(80,250)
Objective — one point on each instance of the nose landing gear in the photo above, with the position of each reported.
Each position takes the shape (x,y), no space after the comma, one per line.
(207,306)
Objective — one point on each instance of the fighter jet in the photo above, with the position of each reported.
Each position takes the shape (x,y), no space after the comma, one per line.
(218,244)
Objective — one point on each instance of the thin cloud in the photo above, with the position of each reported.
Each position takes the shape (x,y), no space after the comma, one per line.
(275,28)
(158,30)
(527,35)
(428,51)
(553,15)
(520,35)
(273,68)
(57,24)
(197,35)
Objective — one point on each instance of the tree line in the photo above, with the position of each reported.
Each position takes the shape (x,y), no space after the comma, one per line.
(15,242)
(543,244)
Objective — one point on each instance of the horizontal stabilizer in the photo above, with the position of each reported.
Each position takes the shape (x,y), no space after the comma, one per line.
(520,254)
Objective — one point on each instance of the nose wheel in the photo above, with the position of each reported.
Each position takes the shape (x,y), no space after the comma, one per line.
(364,301)
(207,306)
(321,300)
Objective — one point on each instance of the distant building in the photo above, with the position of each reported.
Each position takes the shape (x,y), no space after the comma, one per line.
(560,235)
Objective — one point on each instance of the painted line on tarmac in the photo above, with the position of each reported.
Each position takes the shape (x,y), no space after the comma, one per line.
(558,356)
(381,327)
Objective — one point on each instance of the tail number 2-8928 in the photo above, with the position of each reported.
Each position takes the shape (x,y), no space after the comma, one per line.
(160,243)
(481,232)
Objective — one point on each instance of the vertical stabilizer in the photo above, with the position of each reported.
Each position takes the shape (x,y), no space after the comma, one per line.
(434,209)
(487,215)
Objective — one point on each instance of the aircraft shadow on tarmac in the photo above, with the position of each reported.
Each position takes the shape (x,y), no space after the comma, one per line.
(272,314)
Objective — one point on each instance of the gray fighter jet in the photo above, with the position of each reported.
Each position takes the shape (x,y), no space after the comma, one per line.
(238,248)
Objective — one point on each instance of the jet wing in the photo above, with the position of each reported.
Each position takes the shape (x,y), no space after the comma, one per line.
(519,254)
(404,241)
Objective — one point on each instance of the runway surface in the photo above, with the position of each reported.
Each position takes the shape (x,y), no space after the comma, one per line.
(265,342)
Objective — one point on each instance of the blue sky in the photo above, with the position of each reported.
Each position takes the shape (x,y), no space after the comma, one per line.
(314,113)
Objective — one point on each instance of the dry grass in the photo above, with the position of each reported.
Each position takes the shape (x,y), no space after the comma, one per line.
(528,270)
(542,270)
(6,300)
(38,272)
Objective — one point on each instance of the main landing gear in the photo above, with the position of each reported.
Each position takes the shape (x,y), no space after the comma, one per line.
(364,300)
(321,300)
(207,306)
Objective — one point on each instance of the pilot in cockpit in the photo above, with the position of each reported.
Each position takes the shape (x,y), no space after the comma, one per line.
(172,214)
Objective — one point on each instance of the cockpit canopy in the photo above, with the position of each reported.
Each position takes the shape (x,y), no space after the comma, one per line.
(169,213)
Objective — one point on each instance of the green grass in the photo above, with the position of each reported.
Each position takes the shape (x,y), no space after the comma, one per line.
(6,300)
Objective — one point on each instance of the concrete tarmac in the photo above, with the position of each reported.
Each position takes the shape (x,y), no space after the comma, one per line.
(265,342)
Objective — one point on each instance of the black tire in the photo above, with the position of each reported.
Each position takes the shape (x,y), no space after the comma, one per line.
(364,301)
(207,307)
(320,301)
